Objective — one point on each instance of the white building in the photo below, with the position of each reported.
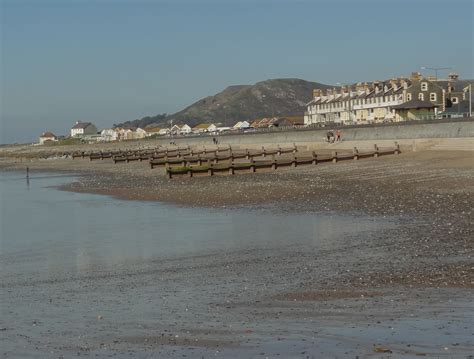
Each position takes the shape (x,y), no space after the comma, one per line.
(140,133)
(241,125)
(47,136)
(81,129)
(381,101)
(108,135)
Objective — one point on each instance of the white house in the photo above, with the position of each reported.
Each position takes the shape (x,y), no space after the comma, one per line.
(140,133)
(83,128)
(185,129)
(180,129)
(109,134)
(47,136)
(241,125)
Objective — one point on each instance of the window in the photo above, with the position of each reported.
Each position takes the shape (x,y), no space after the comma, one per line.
(421,97)
(433,96)
(424,86)
(408,96)
(454,100)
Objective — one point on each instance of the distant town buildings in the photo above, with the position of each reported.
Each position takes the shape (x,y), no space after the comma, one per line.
(394,100)
(391,100)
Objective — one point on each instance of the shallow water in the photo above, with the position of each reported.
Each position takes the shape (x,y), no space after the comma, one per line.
(45,231)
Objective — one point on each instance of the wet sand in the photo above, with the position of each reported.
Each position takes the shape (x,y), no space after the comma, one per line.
(406,289)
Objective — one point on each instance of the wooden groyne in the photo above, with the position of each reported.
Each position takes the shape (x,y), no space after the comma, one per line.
(212,166)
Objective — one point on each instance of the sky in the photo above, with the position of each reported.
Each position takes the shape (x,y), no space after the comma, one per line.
(108,61)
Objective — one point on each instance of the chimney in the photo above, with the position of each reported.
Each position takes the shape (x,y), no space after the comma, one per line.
(366,88)
(415,76)
(453,76)
(376,87)
(77,122)
(317,93)
(393,83)
(450,87)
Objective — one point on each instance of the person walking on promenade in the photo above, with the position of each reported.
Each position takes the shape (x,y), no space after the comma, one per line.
(338,135)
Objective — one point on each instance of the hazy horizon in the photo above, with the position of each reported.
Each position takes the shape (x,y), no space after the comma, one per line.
(110,62)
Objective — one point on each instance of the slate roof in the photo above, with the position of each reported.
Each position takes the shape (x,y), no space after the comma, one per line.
(80,125)
(203,125)
(414,104)
(48,134)
(153,129)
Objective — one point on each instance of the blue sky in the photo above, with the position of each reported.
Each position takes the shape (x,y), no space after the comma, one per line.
(111,61)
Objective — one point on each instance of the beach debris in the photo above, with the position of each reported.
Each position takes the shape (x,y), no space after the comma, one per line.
(100,317)
(379,349)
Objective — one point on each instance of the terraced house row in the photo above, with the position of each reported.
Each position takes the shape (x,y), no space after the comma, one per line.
(393,100)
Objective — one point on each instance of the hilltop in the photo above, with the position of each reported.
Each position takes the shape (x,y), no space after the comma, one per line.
(276,97)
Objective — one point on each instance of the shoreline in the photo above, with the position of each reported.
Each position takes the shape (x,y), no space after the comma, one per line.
(390,280)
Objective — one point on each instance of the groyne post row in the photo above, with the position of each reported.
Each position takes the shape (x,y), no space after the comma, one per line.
(252,165)
(215,158)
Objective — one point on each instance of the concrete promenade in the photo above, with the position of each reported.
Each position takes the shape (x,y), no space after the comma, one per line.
(412,134)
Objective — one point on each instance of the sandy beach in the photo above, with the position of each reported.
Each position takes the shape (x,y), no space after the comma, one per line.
(417,269)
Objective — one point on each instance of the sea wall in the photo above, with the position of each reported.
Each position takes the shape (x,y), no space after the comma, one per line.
(404,131)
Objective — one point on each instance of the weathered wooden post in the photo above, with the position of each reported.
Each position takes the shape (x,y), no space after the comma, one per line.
(210,171)
(199,161)
(294,163)
(190,172)
(231,168)
(263,151)
(274,163)
(295,149)
(355,153)
(376,151)
(247,155)
(168,172)
(397,148)
(314,158)
(279,150)
(27,172)
(334,156)
(252,165)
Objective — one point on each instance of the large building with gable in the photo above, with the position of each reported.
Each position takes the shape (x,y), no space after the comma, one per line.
(393,100)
